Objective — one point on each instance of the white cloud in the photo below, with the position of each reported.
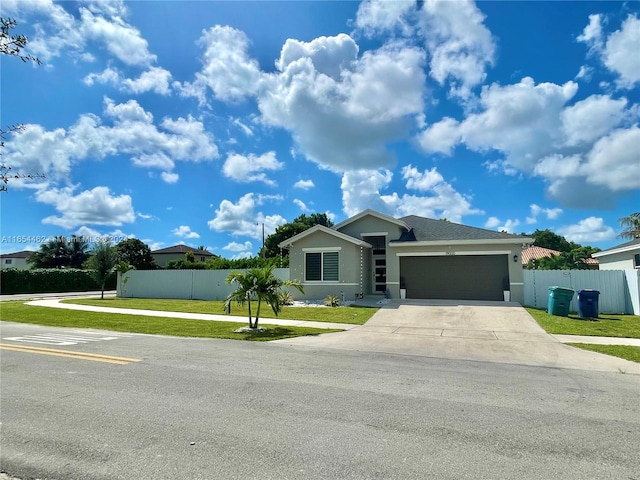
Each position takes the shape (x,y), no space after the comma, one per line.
(621,52)
(614,161)
(251,168)
(618,51)
(460,45)
(304,184)
(300,204)
(156,80)
(537,210)
(588,231)
(227,70)
(494,223)
(109,76)
(592,33)
(245,129)
(169,177)
(591,118)
(132,133)
(363,189)
(238,247)
(345,123)
(241,219)
(93,207)
(103,23)
(381,16)
(184,231)
(440,137)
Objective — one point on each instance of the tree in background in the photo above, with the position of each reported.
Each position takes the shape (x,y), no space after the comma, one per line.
(288,230)
(136,253)
(572,255)
(631,226)
(102,263)
(12,45)
(258,284)
(59,252)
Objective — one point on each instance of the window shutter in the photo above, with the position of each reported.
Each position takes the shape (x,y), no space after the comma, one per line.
(330,267)
(313,267)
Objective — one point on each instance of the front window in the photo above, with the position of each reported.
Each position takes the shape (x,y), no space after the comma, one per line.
(7,261)
(321,267)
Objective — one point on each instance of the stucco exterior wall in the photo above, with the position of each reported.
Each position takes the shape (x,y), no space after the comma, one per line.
(618,261)
(19,263)
(349,272)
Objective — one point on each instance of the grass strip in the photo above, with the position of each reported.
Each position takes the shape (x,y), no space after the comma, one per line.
(17,311)
(627,352)
(349,314)
(625,326)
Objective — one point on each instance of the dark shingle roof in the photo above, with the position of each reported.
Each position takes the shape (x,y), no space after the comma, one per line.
(21,254)
(182,249)
(430,230)
(630,243)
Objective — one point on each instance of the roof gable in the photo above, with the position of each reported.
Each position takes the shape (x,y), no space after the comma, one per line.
(372,213)
(321,228)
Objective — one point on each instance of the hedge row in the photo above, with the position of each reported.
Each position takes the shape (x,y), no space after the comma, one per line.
(50,280)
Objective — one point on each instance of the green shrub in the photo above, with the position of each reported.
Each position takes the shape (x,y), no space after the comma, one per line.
(332,301)
(50,280)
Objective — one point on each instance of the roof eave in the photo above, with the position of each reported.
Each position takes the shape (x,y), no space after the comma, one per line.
(437,243)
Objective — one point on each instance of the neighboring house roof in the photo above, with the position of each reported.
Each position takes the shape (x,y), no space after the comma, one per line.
(21,254)
(372,213)
(535,253)
(430,230)
(182,249)
(625,247)
(321,228)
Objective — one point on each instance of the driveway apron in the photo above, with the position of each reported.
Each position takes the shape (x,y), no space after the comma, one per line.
(501,332)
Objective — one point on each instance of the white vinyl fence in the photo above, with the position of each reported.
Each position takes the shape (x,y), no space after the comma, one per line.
(619,289)
(184,284)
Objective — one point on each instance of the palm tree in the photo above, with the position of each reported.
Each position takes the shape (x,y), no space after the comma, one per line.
(77,251)
(52,254)
(258,284)
(631,226)
(102,263)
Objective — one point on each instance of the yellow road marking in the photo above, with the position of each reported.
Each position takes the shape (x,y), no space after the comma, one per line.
(69,354)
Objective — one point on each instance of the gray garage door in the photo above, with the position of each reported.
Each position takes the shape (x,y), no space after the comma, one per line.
(461,277)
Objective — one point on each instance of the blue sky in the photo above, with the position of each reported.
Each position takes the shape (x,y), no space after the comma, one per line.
(196,122)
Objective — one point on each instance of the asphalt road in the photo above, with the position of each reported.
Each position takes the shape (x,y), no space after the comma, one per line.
(220,409)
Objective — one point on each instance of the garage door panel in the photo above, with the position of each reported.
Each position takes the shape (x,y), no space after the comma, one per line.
(463,277)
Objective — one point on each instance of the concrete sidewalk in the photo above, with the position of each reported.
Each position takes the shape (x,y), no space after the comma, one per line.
(55,303)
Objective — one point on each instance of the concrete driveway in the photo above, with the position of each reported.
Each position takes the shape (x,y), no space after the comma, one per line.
(500,332)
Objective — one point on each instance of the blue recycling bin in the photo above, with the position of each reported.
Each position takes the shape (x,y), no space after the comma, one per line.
(559,301)
(588,303)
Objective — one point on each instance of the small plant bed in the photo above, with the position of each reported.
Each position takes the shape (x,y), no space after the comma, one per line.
(626,326)
(21,313)
(623,351)
(353,315)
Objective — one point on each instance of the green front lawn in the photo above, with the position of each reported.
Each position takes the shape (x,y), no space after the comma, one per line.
(16,311)
(626,326)
(353,315)
(623,351)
